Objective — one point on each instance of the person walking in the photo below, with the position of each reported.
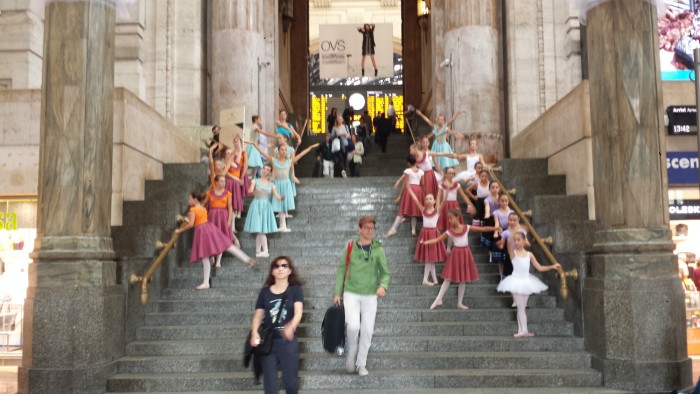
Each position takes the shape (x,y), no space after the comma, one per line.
(362,277)
(280,302)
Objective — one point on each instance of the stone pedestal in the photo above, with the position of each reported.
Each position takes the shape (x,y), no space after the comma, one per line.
(473,81)
(237,45)
(73,327)
(634,320)
(634,313)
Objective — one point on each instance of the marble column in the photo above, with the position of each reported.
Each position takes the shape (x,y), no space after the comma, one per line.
(473,80)
(437,41)
(238,43)
(411,42)
(299,41)
(634,316)
(73,327)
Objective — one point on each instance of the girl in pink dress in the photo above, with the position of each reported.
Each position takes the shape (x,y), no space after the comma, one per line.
(447,195)
(412,178)
(429,254)
(460,266)
(424,161)
(208,240)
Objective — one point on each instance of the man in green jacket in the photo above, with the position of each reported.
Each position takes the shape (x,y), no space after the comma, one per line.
(366,278)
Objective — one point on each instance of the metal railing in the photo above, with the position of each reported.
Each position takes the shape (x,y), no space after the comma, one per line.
(146,278)
(563,275)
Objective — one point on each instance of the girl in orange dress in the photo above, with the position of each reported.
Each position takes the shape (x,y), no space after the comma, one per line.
(237,169)
(208,240)
(218,199)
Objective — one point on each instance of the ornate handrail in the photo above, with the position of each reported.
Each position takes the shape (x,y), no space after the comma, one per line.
(147,276)
(284,102)
(573,273)
(424,108)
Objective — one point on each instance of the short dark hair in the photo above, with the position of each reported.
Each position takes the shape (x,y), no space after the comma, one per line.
(366,219)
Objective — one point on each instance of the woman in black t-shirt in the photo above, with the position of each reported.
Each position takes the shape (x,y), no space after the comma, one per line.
(281,295)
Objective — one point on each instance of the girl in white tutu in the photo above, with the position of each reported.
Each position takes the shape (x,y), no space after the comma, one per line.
(261,219)
(521,283)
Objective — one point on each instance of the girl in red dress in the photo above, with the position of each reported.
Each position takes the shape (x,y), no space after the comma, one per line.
(429,254)
(460,266)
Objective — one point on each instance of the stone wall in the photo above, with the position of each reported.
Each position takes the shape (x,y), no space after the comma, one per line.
(543,49)
(21,43)
(563,136)
(143,142)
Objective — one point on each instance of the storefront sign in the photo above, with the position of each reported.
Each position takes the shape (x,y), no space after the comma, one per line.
(686,209)
(682,168)
(8,221)
(682,120)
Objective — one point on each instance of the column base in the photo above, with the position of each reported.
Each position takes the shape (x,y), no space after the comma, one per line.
(634,311)
(73,327)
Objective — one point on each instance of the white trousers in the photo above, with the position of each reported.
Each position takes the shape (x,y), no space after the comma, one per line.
(360,311)
(328,168)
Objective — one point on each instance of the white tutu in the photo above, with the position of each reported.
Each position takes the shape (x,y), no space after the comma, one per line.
(521,281)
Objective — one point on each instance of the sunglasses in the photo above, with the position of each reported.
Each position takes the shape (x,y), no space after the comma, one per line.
(283,266)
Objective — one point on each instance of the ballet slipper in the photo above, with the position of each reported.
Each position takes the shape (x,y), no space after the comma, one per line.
(413,234)
(435,304)
(435,282)
(529,334)
(390,234)
(428,284)
(263,254)
(462,307)
(520,335)
(250,263)
(217,265)
(284,230)
(203,286)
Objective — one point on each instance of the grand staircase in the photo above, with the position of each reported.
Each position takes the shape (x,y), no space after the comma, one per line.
(187,340)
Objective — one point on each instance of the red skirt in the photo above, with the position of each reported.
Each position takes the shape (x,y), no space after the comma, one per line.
(429,253)
(460,266)
(431,183)
(236,197)
(208,241)
(219,218)
(443,223)
(408,206)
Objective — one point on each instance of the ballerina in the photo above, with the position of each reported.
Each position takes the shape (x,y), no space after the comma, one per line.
(440,131)
(282,165)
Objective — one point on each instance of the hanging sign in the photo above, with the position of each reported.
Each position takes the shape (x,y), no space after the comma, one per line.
(684,209)
(682,120)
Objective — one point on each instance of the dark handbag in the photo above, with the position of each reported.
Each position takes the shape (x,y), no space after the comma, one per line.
(267,334)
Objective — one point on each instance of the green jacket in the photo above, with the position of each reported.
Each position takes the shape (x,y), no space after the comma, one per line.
(365,275)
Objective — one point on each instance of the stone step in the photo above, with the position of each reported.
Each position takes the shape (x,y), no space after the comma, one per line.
(187,282)
(248,304)
(313,330)
(321,288)
(378,361)
(516,168)
(548,209)
(433,390)
(391,343)
(377,379)
(384,315)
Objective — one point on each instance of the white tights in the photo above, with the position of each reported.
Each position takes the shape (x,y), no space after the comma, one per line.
(206,269)
(399,219)
(521,304)
(427,271)
(283,220)
(261,243)
(443,290)
(237,253)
